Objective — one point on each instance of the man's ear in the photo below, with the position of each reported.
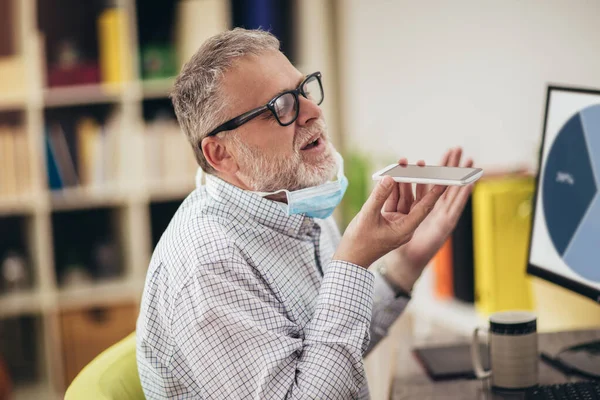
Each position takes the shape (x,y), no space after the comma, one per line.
(218,156)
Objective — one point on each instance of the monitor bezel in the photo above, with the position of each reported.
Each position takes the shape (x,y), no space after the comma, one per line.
(536,270)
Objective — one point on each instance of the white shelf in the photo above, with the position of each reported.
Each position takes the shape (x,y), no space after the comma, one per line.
(82,94)
(17,205)
(20,303)
(77,198)
(100,294)
(157,88)
(168,191)
(12,101)
(133,198)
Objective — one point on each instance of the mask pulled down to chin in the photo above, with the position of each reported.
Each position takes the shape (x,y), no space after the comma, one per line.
(316,201)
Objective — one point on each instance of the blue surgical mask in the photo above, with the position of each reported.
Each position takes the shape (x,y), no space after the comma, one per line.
(316,201)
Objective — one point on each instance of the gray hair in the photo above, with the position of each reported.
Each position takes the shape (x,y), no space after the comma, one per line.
(196,94)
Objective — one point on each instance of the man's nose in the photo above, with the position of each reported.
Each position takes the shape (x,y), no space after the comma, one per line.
(309,110)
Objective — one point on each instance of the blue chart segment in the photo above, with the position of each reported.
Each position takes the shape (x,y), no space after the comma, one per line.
(570,187)
(580,253)
(590,118)
(569,183)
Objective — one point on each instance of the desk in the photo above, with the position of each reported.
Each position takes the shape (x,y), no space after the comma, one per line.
(411,382)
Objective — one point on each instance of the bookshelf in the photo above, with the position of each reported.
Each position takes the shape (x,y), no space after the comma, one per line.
(119,214)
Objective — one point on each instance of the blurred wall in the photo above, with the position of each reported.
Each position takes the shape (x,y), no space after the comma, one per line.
(419,77)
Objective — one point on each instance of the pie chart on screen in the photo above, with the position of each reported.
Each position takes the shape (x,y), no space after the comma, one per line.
(571,199)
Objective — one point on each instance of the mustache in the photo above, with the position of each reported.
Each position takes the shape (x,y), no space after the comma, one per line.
(305,133)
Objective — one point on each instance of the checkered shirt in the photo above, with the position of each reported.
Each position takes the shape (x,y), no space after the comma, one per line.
(243,301)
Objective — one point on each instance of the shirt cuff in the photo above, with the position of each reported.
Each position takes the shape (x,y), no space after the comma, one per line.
(349,287)
(386,307)
(344,308)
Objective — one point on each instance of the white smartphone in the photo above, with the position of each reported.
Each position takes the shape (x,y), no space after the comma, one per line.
(430,174)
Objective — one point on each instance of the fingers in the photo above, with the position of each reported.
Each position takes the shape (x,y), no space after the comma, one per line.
(446,157)
(455,156)
(391,204)
(453,161)
(378,197)
(458,203)
(421,209)
(421,188)
(460,195)
(406,198)
(452,192)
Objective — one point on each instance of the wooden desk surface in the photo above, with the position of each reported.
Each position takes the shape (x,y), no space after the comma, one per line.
(411,382)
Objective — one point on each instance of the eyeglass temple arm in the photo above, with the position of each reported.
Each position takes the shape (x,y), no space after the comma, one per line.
(239,120)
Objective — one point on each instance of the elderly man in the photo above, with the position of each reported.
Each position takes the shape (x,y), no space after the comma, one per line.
(251,291)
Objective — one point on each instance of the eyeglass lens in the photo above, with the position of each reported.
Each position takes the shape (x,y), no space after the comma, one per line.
(313,91)
(286,107)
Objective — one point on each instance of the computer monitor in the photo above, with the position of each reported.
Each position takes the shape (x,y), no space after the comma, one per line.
(565,227)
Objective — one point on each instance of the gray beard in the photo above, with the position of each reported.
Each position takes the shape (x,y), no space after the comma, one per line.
(268,174)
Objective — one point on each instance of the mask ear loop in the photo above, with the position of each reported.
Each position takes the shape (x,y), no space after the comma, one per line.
(340,160)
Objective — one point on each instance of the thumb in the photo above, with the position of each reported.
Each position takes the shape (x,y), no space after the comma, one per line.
(378,196)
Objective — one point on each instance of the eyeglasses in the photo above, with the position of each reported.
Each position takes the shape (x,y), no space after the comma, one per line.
(285,106)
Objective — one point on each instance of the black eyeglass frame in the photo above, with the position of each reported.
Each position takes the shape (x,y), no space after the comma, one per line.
(270,106)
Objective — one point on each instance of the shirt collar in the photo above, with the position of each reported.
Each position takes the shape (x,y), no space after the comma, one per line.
(248,205)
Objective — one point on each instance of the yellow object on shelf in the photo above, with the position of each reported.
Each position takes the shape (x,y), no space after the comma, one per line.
(13,82)
(501,230)
(115,63)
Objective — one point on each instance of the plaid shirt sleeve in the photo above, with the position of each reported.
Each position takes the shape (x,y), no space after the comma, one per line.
(386,307)
(234,338)
(386,310)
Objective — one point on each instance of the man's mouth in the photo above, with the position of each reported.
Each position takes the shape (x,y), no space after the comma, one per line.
(314,142)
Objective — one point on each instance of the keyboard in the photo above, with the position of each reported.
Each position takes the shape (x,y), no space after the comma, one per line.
(585,390)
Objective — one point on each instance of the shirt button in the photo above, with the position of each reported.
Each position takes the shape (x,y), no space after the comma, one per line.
(291,232)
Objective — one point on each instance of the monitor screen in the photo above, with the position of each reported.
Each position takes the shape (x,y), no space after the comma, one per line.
(565,237)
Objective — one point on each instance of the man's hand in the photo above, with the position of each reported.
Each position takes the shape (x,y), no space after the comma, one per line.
(376,231)
(405,264)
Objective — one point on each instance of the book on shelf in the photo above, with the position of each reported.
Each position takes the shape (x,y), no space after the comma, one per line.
(169,157)
(115,65)
(87,155)
(14,161)
(60,150)
(442,264)
(275,16)
(12,77)
(462,256)
(196,21)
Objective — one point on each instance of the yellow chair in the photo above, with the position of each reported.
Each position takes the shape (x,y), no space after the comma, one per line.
(111,375)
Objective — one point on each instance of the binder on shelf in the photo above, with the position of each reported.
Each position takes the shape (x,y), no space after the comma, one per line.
(63,156)
(462,256)
(442,264)
(87,141)
(5,168)
(168,156)
(22,161)
(14,159)
(112,33)
(54,177)
(501,222)
(197,20)
(275,16)
(12,77)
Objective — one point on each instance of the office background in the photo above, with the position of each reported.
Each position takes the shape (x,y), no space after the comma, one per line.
(90,165)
